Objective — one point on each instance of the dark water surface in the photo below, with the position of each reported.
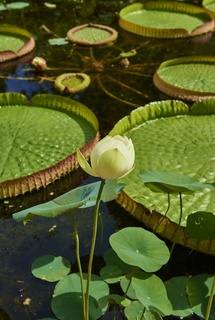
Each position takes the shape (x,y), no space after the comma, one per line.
(19,244)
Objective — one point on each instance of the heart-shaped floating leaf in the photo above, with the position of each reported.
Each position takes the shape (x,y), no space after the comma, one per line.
(201,225)
(50,268)
(139,247)
(171,182)
(84,196)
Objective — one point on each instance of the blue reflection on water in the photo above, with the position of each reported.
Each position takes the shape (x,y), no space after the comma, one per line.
(27,87)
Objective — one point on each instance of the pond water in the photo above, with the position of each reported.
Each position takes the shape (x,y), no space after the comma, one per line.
(114,92)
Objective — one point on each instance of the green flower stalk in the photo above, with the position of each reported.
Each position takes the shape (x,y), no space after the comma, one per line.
(111,158)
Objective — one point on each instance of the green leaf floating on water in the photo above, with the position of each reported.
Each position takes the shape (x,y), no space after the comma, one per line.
(187,78)
(41,139)
(50,268)
(165,19)
(209,5)
(169,136)
(92,35)
(72,82)
(14,42)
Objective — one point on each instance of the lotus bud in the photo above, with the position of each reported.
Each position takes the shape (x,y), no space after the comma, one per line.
(125,63)
(39,63)
(111,158)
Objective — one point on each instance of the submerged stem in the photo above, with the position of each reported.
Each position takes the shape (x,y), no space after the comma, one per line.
(102,233)
(179,223)
(77,252)
(92,249)
(165,214)
(208,310)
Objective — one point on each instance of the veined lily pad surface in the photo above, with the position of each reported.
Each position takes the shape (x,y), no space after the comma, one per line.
(39,140)
(188,78)
(72,82)
(92,35)
(14,42)
(165,19)
(169,136)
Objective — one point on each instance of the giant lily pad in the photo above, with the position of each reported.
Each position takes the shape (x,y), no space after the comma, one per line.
(187,78)
(209,5)
(165,19)
(39,140)
(92,35)
(15,42)
(169,136)
(72,82)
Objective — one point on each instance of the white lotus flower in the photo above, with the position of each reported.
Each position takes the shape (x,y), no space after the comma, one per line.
(111,158)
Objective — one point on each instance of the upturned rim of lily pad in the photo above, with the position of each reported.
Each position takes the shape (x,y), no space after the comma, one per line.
(154,220)
(113,35)
(207,6)
(174,90)
(7,55)
(166,33)
(72,89)
(19,186)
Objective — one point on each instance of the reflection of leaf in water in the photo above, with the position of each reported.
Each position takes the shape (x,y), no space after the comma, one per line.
(122,82)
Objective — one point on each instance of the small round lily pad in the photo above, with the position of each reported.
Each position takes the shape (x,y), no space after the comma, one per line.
(15,42)
(165,19)
(170,136)
(41,139)
(72,82)
(92,35)
(187,78)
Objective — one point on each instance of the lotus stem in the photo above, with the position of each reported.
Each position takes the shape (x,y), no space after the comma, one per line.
(77,252)
(208,310)
(92,249)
